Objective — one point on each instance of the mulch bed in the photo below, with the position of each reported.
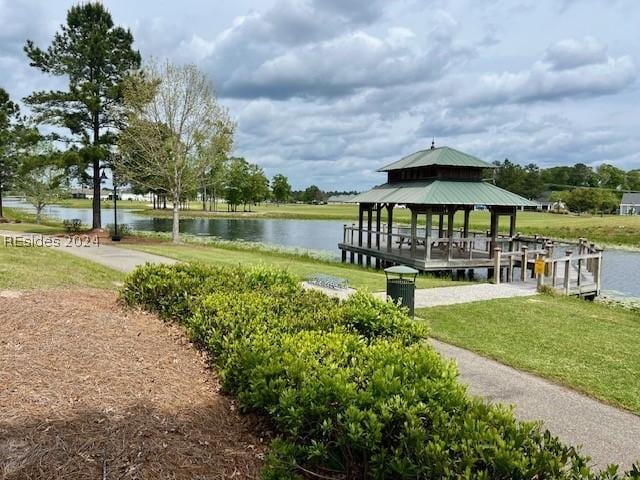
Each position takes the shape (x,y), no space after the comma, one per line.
(91,390)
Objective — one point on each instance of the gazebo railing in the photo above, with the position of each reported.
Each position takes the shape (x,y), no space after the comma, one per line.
(455,247)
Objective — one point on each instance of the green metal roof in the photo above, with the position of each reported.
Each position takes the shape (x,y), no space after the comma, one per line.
(443,192)
(437,156)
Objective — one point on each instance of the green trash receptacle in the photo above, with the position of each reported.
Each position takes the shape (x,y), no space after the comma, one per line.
(401,285)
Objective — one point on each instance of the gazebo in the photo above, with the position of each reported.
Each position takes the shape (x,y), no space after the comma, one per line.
(436,183)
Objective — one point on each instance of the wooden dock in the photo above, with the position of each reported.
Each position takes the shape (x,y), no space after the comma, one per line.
(570,269)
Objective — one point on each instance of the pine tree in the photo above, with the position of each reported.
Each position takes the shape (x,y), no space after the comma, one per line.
(96,56)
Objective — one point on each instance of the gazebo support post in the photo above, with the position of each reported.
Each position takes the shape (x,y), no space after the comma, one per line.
(360,225)
(441,225)
(389,226)
(378,224)
(493,233)
(414,228)
(427,236)
(465,227)
(512,228)
(451,211)
(369,228)
(378,215)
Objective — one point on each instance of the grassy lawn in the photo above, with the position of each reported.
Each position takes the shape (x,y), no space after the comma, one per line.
(588,346)
(27,268)
(607,229)
(29,228)
(357,277)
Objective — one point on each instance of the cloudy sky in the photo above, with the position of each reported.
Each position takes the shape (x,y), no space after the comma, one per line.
(326,91)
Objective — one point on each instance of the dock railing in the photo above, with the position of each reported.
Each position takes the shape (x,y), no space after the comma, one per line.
(457,246)
(577,272)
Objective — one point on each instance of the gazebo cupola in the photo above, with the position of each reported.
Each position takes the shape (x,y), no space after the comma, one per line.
(437,181)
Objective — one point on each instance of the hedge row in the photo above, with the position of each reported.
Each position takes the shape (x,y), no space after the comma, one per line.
(351,387)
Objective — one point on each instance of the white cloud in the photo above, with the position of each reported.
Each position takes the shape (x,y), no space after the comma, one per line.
(543,83)
(571,53)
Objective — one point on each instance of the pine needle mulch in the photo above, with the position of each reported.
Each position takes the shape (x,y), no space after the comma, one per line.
(90,390)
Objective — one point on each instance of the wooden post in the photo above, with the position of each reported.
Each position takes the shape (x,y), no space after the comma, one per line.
(496,262)
(389,226)
(494,231)
(427,236)
(414,227)
(451,213)
(378,211)
(360,226)
(512,229)
(598,271)
(579,281)
(441,225)
(524,263)
(567,273)
(510,270)
(369,228)
(465,227)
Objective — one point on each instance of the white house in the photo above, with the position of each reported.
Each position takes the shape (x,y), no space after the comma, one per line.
(630,204)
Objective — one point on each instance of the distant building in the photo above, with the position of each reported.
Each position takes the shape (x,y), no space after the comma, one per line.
(549,205)
(127,194)
(340,198)
(630,204)
(87,193)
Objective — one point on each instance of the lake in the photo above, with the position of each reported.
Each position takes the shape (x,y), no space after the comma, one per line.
(620,274)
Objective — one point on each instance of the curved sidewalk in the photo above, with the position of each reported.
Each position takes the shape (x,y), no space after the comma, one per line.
(607,434)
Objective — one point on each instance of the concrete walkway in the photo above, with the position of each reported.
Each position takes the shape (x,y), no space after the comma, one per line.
(433,297)
(607,434)
(117,258)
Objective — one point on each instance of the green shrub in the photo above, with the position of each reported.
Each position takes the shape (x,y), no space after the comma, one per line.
(72,226)
(373,317)
(123,230)
(169,290)
(350,386)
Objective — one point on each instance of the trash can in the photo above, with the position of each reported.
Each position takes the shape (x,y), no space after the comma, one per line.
(401,285)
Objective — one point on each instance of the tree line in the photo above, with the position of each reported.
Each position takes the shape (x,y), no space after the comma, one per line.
(580,187)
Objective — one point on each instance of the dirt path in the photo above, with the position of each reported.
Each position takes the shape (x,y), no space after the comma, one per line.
(90,391)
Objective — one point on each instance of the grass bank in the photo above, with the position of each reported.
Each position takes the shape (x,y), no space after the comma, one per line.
(39,267)
(231,253)
(606,230)
(588,346)
(88,203)
(27,222)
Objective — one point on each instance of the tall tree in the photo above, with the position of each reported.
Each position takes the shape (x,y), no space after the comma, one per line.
(313,194)
(236,178)
(633,179)
(16,139)
(169,110)
(280,188)
(612,177)
(9,113)
(257,186)
(96,56)
(40,177)
(212,152)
